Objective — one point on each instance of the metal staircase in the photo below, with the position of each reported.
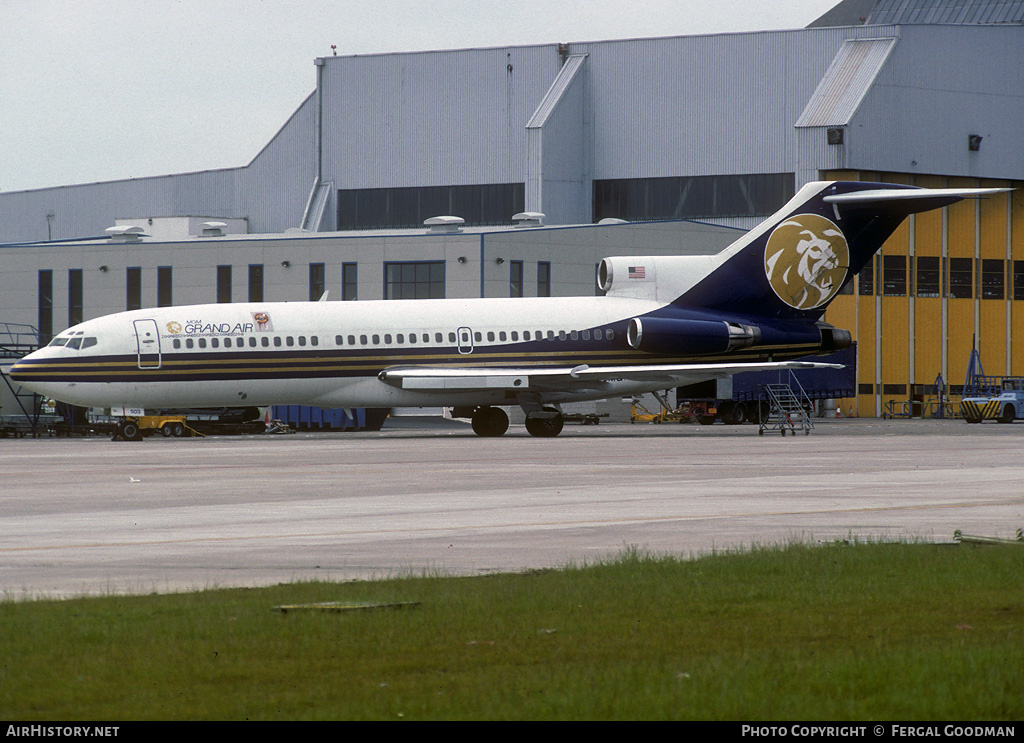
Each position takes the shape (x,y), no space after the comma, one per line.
(16,341)
(787,408)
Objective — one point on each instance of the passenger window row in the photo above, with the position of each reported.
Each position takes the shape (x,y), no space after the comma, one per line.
(251,341)
(374,339)
(500,336)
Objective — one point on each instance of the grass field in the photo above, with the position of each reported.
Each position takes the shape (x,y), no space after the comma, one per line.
(836,632)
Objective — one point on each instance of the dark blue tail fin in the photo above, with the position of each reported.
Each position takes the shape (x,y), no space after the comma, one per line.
(795,262)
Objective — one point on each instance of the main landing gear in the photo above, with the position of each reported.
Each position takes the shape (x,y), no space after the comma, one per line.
(489,421)
(545,423)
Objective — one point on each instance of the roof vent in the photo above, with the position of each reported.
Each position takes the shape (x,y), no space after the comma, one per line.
(444,225)
(125,233)
(213,229)
(528,219)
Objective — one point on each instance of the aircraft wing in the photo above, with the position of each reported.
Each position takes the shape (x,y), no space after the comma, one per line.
(465,379)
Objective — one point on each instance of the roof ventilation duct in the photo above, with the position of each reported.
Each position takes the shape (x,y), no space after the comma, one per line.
(125,233)
(528,219)
(444,225)
(213,229)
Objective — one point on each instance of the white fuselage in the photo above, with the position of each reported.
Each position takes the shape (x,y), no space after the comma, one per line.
(327,354)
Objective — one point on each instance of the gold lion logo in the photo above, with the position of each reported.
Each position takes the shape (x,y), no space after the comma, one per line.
(174,328)
(806,261)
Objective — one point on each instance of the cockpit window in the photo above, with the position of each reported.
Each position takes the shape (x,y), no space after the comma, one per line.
(76,342)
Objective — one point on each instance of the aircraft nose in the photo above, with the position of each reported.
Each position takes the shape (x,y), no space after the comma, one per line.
(19,370)
(16,370)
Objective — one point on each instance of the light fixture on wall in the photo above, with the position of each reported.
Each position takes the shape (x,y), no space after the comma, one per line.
(974,142)
(286,263)
(103,269)
(499,261)
(462,259)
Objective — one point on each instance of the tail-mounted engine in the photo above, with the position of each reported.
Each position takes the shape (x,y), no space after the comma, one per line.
(689,337)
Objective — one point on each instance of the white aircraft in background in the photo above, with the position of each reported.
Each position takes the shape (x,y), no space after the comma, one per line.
(664,322)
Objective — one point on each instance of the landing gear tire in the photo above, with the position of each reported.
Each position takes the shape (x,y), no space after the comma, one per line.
(129,431)
(547,426)
(490,422)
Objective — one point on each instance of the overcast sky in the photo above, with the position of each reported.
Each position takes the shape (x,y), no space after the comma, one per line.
(95,90)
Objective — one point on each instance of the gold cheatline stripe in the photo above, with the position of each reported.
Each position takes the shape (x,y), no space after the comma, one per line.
(307,363)
(224,358)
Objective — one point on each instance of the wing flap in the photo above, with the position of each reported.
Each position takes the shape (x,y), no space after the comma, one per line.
(466,379)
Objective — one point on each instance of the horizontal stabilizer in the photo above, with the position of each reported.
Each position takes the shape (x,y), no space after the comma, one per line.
(931,195)
(903,201)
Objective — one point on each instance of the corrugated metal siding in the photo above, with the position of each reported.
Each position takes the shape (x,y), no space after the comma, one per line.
(432,118)
(948,11)
(273,189)
(706,105)
(849,77)
(927,99)
(562,82)
(270,192)
(88,209)
(685,106)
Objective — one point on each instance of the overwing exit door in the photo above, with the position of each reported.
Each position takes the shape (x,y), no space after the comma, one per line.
(465,337)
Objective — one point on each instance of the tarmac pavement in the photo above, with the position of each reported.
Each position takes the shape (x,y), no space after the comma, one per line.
(92,516)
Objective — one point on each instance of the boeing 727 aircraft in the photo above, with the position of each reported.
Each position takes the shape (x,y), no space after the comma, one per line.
(664,322)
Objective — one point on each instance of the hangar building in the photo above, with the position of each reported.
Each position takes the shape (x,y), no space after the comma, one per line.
(686,138)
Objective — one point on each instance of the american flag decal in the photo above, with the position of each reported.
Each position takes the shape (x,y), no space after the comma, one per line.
(637,272)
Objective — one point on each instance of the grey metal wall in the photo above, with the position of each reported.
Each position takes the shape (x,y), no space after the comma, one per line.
(941,84)
(271,191)
(698,105)
(432,118)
